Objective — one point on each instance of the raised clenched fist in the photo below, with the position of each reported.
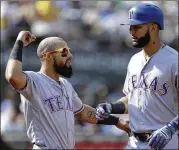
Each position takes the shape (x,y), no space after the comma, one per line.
(26,37)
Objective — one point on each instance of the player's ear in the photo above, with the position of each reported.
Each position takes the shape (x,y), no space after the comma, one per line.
(154,27)
(48,57)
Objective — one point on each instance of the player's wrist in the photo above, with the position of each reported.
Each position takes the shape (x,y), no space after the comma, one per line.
(118,108)
(19,41)
(16,52)
(111,120)
(172,127)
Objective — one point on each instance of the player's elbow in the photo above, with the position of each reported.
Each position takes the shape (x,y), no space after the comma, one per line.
(15,79)
(17,82)
(11,79)
(10,76)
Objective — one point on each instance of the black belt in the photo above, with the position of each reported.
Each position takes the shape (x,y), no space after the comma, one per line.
(143,137)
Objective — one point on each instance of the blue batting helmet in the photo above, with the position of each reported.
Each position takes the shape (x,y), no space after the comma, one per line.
(145,13)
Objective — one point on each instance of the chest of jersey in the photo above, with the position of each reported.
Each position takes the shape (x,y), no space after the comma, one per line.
(149,76)
(58,98)
(54,97)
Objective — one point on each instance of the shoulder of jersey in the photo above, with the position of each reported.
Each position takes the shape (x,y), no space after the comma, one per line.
(170,51)
(31,73)
(34,75)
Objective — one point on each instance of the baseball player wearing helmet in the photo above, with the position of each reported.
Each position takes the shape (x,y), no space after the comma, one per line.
(49,101)
(151,84)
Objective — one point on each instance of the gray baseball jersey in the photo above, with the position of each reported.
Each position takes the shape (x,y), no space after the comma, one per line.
(151,88)
(49,109)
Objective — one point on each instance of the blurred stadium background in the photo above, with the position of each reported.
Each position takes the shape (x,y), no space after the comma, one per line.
(101,49)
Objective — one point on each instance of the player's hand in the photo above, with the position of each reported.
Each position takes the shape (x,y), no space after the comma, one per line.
(160,138)
(103,111)
(26,37)
(124,125)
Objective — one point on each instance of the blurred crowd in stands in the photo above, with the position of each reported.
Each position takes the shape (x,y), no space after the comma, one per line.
(100,45)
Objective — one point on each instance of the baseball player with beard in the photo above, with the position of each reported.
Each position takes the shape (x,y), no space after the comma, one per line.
(151,85)
(49,101)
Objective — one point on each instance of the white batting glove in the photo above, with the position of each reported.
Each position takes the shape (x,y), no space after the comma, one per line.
(103,111)
(161,137)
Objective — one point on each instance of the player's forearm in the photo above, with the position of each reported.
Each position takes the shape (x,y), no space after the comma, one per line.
(14,65)
(13,69)
(88,115)
(13,72)
(121,106)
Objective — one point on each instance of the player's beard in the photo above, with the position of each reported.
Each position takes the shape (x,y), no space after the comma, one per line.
(63,70)
(143,41)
